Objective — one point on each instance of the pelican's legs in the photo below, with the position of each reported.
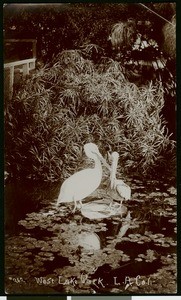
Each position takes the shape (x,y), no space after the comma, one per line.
(75,206)
(121,207)
(121,202)
(80,201)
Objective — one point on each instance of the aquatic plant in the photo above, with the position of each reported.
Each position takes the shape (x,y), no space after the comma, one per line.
(61,107)
(48,246)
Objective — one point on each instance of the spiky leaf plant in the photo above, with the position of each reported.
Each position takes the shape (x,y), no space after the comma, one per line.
(122,35)
(60,108)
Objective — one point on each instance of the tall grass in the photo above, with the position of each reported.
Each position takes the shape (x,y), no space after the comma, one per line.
(60,108)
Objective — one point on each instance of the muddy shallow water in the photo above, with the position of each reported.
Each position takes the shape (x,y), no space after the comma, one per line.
(51,250)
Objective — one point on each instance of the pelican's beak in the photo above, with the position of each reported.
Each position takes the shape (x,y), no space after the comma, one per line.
(102,159)
(113,170)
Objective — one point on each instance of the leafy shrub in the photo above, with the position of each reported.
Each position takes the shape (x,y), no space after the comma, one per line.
(60,108)
(123,35)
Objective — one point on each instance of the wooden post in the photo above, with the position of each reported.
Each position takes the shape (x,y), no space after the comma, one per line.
(32,65)
(25,69)
(27,65)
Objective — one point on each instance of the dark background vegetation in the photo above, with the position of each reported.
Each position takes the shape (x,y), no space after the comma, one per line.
(54,111)
(67,26)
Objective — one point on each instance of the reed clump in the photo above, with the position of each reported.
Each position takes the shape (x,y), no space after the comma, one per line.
(61,107)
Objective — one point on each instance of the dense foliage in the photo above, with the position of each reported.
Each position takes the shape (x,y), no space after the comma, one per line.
(82,95)
(62,107)
(67,26)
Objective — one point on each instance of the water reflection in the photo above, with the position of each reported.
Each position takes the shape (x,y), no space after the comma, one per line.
(53,242)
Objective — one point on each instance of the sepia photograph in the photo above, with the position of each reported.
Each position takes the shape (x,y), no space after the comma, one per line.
(90,189)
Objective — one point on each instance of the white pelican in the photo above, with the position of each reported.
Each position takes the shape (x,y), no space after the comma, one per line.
(81,184)
(121,188)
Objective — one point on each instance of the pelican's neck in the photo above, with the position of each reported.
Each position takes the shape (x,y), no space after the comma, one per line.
(113,171)
(98,165)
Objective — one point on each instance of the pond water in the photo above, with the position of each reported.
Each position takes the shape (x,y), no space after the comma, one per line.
(52,250)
